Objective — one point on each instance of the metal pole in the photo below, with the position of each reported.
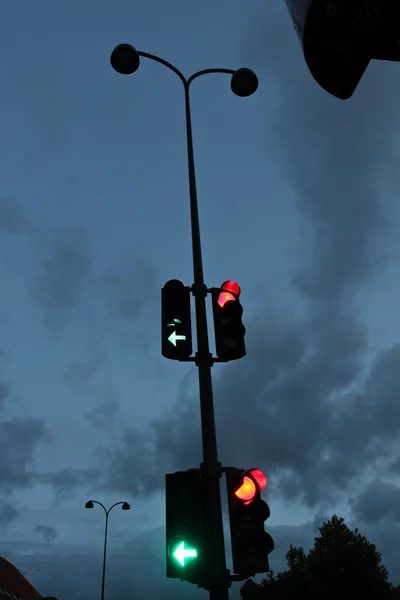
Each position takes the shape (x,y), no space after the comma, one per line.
(104,557)
(211,467)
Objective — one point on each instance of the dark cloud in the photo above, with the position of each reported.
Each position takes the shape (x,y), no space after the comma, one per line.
(81,371)
(67,287)
(8,513)
(379,502)
(129,287)
(104,415)
(66,269)
(135,455)
(4,392)
(46,532)
(395,466)
(68,479)
(18,440)
(11,219)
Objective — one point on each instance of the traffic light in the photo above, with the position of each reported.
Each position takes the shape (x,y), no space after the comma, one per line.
(185,526)
(176,327)
(228,326)
(251,544)
(340,37)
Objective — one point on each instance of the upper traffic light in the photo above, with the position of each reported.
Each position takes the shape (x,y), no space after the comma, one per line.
(251,544)
(176,328)
(185,526)
(228,326)
(340,37)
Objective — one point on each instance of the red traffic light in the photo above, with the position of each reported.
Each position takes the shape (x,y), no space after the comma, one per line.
(249,488)
(231,292)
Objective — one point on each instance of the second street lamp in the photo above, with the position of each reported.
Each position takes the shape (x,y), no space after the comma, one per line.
(125,506)
(125,59)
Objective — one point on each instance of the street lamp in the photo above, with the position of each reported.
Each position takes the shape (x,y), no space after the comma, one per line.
(125,506)
(125,59)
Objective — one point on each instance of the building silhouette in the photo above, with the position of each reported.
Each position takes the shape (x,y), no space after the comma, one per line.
(14,586)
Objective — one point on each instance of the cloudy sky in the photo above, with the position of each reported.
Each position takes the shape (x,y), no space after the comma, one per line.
(298,197)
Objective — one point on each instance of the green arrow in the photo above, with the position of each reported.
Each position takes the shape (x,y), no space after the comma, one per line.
(180,553)
(173,338)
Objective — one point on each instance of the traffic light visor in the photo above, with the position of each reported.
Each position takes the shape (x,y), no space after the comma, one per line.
(260,478)
(231,286)
(230,290)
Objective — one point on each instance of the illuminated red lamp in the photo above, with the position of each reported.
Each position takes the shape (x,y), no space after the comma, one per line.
(248,489)
(231,292)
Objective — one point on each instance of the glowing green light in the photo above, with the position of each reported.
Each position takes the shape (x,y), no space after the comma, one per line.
(173,322)
(173,338)
(181,553)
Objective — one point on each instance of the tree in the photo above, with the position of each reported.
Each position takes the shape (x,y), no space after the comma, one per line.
(341,564)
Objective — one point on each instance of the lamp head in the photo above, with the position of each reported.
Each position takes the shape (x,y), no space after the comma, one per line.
(89,504)
(244,82)
(125,59)
(126,506)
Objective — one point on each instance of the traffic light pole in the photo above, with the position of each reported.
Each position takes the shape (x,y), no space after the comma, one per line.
(218,575)
(204,361)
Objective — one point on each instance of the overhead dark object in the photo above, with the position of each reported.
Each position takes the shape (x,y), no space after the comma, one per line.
(125,59)
(126,506)
(340,37)
(244,82)
(89,504)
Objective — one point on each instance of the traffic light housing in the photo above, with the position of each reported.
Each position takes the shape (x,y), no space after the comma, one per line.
(340,37)
(228,326)
(186,526)
(176,327)
(251,544)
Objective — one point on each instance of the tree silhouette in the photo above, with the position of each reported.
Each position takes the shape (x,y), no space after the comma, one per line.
(341,564)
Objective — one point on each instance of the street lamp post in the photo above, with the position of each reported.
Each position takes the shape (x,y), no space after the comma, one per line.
(125,59)
(125,506)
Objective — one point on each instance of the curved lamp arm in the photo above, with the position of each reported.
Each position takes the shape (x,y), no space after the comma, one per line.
(97,502)
(186,82)
(107,512)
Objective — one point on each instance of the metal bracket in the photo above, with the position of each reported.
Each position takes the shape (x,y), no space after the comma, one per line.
(219,360)
(227,469)
(239,577)
(213,359)
(210,358)
(203,290)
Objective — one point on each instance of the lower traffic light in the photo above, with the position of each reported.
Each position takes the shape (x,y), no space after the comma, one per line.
(185,526)
(251,544)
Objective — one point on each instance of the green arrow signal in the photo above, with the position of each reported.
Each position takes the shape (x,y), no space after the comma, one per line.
(181,553)
(173,338)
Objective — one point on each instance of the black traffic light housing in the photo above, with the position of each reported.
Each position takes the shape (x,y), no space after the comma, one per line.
(186,524)
(251,544)
(340,37)
(228,326)
(176,326)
